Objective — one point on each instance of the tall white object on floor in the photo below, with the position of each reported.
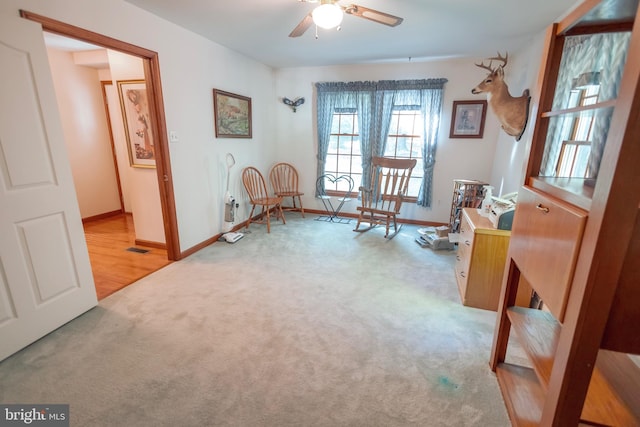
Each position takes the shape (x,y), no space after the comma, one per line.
(229,200)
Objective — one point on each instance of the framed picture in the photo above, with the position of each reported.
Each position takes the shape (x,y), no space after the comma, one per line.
(467,119)
(232,115)
(135,113)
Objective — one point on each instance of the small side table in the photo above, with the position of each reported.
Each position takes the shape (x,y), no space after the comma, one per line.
(333,211)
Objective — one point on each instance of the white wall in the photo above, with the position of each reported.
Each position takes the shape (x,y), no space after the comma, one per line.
(143,193)
(79,97)
(511,155)
(190,67)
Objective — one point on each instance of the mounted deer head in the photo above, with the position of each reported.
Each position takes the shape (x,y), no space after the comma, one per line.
(512,113)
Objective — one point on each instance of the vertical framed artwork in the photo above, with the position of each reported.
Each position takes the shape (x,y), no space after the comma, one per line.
(467,119)
(232,115)
(135,113)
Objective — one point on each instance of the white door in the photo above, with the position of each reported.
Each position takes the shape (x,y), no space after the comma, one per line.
(45,274)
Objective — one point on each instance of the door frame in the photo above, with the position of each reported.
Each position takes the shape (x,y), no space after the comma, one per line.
(156,113)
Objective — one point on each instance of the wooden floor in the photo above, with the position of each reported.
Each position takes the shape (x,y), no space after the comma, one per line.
(113,266)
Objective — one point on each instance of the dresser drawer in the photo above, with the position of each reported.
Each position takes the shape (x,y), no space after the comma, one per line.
(545,240)
(466,232)
(464,251)
(462,275)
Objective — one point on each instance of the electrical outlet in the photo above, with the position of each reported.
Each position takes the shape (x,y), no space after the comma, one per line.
(173,136)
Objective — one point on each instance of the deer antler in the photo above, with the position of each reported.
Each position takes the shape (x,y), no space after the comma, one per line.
(501,58)
(486,67)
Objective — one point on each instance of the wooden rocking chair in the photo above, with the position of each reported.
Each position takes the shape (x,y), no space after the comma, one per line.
(256,187)
(382,200)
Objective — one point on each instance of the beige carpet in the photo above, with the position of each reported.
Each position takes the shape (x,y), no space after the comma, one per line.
(311,325)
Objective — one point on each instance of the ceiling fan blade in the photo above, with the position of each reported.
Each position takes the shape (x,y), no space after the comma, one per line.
(373,15)
(302,26)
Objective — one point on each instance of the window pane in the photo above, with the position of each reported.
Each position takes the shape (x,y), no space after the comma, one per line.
(333,145)
(356,165)
(407,123)
(331,163)
(404,147)
(335,125)
(416,150)
(390,149)
(357,181)
(347,123)
(344,164)
(414,187)
(355,147)
(418,171)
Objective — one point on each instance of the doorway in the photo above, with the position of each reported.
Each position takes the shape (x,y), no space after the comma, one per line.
(156,113)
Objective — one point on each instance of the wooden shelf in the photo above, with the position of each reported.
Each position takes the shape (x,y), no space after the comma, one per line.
(466,193)
(538,332)
(611,398)
(522,393)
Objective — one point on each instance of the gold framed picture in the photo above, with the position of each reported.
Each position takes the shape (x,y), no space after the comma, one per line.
(232,115)
(135,113)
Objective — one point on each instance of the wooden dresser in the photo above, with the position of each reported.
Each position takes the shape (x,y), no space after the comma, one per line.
(480,262)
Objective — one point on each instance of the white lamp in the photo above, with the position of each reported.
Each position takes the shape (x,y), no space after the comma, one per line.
(327,15)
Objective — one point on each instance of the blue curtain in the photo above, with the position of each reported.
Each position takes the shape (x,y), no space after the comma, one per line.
(375,102)
(334,96)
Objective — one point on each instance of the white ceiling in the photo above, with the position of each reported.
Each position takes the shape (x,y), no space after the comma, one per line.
(431,29)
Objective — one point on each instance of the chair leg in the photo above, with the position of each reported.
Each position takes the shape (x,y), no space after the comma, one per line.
(253,207)
(396,229)
(358,223)
(279,207)
(268,217)
(301,208)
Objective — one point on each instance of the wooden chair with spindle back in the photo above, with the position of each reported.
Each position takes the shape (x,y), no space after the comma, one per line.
(284,180)
(256,188)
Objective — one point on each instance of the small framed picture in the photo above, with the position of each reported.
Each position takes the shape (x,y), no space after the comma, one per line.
(467,119)
(232,115)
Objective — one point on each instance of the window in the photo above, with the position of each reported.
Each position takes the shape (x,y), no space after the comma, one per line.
(358,121)
(575,151)
(343,154)
(405,142)
(345,158)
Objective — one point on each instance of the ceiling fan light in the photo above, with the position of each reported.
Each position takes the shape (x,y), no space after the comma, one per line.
(327,15)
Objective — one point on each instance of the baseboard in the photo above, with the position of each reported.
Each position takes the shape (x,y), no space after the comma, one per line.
(102,216)
(150,244)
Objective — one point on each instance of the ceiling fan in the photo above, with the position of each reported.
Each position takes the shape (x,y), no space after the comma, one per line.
(329,14)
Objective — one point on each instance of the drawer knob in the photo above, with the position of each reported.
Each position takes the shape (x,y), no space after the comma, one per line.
(542,208)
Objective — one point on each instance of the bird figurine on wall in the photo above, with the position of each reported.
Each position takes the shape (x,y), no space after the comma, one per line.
(293,104)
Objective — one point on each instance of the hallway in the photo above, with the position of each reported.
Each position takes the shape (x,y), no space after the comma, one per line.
(113,265)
